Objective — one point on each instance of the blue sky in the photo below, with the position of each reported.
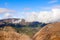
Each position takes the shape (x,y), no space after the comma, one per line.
(22,7)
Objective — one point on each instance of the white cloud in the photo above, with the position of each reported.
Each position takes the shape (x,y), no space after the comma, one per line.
(27,8)
(56,14)
(8,15)
(0,18)
(5,10)
(52,16)
(31,17)
(45,16)
(53,1)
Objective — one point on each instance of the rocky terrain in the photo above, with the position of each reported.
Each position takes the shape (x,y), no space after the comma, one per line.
(49,32)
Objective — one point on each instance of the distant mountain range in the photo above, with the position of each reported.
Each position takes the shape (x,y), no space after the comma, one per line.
(16,22)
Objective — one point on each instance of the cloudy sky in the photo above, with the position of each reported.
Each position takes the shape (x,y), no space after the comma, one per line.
(31,10)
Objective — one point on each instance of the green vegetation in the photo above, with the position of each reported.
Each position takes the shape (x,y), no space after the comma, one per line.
(28,30)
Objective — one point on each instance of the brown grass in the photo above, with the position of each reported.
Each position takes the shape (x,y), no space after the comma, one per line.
(13,36)
(9,33)
(49,32)
(8,28)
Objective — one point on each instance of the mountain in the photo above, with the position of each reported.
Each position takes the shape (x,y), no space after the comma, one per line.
(9,20)
(36,24)
(49,32)
(16,22)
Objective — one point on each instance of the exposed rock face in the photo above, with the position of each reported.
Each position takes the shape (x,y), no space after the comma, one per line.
(49,32)
(13,36)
